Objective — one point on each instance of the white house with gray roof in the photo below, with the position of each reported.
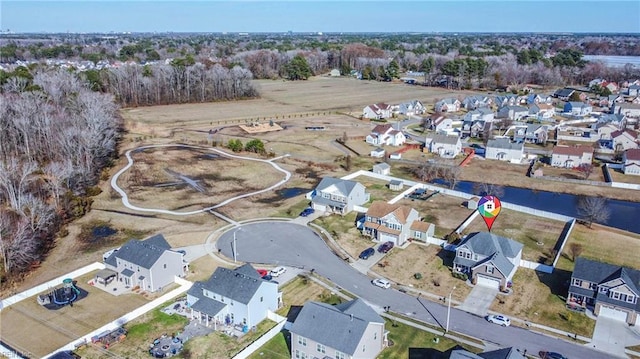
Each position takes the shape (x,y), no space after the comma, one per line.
(448,105)
(513,112)
(488,259)
(444,145)
(504,150)
(233,297)
(149,264)
(338,195)
(480,114)
(350,330)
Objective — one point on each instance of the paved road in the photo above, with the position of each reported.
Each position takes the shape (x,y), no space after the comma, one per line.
(296,245)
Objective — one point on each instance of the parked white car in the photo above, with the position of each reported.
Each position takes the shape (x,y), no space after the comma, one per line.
(277,271)
(382,283)
(499,319)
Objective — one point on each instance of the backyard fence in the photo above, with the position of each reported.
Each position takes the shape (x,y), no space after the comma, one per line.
(246,352)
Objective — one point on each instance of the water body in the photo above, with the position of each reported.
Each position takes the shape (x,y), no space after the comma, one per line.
(291,192)
(616,61)
(623,214)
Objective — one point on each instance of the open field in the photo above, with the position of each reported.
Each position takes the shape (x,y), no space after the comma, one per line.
(540,298)
(25,321)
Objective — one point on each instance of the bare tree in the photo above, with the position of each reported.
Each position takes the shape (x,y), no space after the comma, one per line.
(593,209)
(451,175)
(575,249)
(586,169)
(488,189)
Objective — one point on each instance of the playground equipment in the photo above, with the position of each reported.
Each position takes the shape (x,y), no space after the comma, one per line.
(61,296)
(109,337)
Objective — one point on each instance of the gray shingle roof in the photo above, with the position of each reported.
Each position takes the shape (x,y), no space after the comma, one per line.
(142,253)
(504,143)
(497,248)
(599,273)
(450,140)
(463,354)
(344,186)
(238,284)
(204,304)
(340,327)
(504,353)
(127,272)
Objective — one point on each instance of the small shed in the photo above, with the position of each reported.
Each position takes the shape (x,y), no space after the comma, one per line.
(395,156)
(382,168)
(378,152)
(395,185)
(334,73)
(472,203)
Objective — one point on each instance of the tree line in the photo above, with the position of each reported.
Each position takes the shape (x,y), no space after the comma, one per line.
(56,136)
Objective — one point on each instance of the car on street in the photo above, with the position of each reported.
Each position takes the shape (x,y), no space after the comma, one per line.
(385,247)
(499,319)
(551,355)
(367,253)
(382,283)
(262,272)
(307,211)
(278,271)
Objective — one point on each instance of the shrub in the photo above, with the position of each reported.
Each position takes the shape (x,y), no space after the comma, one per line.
(417,275)
(460,275)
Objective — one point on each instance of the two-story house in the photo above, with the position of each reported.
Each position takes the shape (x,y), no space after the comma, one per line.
(448,105)
(149,264)
(571,156)
(338,195)
(476,101)
(605,129)
(386,135)
(631,162)
(445,146)
(480,114)
(624,140)
(504,150)
(377,111)
(349,330)
(488,259)
(577,108)
(233,297)
(611,291)
(627,109)
(439,123)
(531,133)
(513,112)
(411,108)
(506,100)
(542,111)
(389,222)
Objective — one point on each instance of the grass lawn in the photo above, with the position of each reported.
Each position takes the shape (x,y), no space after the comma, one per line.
(277,347)
(301,290)
(405,337)
(141,332)
(540,298)
(343,230)
(430,261)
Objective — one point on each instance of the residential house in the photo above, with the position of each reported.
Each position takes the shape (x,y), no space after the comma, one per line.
(577,108)
(411,108)
(233,297)
(571,156)
(611,291)
(349,330)
(378,153)
(605,129)
(382,168)
(377,111)
(504,150)
(596,82)
(422,231)
(448,105)
(439,123)
(458,352)
(475,128)
(480,114)
(633,90)
(542,111)
(624,140)
(627,109)
(389,222)
(611,86)
(506,100)
(149,264)
(445,146)
(488,259)
(531,133)
(613,99)
(386,135)
(476,101)
(631,162)
(614,119)
(338,195)
(513,112)
(564,94)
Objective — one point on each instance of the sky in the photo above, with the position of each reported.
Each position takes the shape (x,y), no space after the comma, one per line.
(321,16)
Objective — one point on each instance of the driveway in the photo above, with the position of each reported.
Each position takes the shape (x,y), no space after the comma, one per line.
(613,336)
(289,244)
(479,300)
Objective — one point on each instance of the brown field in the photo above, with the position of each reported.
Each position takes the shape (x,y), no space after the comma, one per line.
(31,327)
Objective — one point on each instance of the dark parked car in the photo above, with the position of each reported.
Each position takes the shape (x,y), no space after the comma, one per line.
(385,247)
(551,355)
(307,211)
(367,253)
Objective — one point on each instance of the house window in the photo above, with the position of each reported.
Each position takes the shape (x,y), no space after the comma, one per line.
(261,299)
(302,341)
(577,282)
(615,295)
(593,286)
(339,355)
(165,267)
(631,299)
(297,354)
(418,234)
(320,348)
(603,289)
(375,335)
(489,269)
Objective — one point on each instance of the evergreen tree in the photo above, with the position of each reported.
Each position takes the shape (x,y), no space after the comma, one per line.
(298,69)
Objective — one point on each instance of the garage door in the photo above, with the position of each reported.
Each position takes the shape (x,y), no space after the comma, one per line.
(613,313)
(488,282)
(384,237)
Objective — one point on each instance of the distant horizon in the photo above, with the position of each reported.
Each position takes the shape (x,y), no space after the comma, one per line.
(330,17)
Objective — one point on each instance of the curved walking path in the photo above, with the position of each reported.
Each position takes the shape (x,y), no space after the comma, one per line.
(125,198)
